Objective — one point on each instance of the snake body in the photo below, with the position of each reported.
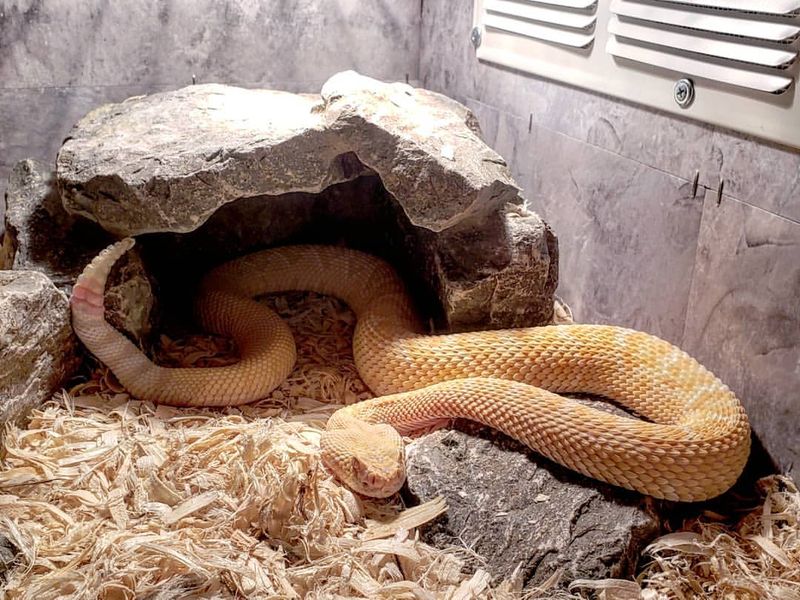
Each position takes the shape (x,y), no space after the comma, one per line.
(692,444)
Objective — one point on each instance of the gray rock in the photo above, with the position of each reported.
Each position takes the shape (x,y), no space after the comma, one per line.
(514,507)
(36,342)
(42,236)
(499,272)
(248,168)
(166,162)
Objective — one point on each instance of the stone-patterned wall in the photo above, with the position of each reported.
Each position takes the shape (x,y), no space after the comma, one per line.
(721,279)
(61,58)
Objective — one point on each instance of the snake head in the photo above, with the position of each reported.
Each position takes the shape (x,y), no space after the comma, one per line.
(369,459)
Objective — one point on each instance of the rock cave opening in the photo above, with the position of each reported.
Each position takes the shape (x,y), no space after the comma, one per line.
(358,213)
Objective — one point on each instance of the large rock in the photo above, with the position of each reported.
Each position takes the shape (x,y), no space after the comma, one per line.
(512,507)
(38,346)
(41,236)
(168,162)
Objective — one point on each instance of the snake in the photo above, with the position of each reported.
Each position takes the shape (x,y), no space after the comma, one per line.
(687,439)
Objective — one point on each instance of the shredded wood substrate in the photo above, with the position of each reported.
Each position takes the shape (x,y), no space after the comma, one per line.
(109,497)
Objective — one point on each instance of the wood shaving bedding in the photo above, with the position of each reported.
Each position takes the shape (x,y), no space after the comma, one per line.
(757,559)
(109,497)
(114,498)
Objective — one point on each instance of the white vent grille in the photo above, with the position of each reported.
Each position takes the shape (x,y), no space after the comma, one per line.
(741,55)
(551,21)
(740,48)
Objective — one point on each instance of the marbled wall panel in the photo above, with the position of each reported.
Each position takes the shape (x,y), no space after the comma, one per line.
(744,316)
(506,134)
(761,174)
(627,233)
(156,42)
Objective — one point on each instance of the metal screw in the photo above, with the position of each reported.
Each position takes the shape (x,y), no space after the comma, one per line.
(475,36)
(683,92)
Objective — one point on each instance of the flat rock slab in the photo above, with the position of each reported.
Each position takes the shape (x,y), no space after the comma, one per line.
(38,346)
(166,162)
(515,508)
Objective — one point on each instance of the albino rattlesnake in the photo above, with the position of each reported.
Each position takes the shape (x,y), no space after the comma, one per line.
(694,448)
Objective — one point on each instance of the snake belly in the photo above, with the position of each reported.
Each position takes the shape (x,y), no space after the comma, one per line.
(691,443)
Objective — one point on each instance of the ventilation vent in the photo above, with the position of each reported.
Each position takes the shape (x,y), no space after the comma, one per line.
(738,45)
(551,21)
(740,55)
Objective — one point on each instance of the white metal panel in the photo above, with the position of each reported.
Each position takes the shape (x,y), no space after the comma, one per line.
(753,80)
(569,3)
(744,65)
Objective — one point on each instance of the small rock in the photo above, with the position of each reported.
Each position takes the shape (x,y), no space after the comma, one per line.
(36,340)
(513,507)
(40,234)
(497,273)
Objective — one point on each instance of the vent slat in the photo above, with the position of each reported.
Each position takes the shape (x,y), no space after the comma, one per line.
(769,7)
(583,4)
(680,17)
(774,84)
(544,15)
(767,57)
(539,32)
